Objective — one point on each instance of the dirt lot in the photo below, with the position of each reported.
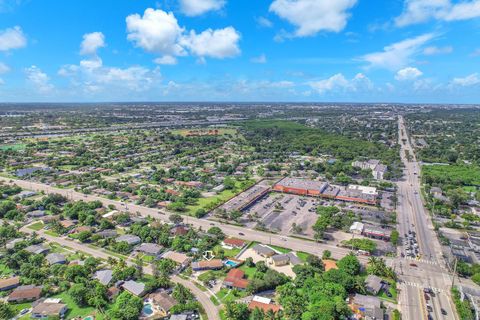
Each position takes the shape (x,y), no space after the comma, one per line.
(279,211)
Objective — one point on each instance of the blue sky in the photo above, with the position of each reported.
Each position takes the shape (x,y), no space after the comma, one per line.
(240,50)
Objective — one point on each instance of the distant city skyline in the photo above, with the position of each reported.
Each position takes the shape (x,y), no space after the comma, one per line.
(405,51)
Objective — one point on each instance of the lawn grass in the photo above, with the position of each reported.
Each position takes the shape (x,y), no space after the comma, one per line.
(228,295)
(303,256)
(249,271)
(52,233)
(36,226)
(280,249)
(13,147)
(214,300)
(4,270)
(74,310)
(230,253)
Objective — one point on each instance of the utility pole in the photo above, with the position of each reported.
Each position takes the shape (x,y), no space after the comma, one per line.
(454,271)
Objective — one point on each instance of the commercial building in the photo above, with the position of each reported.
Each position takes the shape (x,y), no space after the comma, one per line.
(378,169)
(302,187)
(246,198)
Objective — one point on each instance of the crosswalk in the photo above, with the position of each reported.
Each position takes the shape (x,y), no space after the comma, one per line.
(432,262)
(418,285)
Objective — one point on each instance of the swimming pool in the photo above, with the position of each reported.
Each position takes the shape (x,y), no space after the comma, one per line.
(147,309)
(231,263)
(89,318)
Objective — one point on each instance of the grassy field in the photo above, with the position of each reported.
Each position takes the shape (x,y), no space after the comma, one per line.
(455,175)
(36,226)
(14,147)
(218,199)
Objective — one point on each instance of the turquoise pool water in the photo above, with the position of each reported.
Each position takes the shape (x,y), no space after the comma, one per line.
(147,309)
(89,318)
(231,263)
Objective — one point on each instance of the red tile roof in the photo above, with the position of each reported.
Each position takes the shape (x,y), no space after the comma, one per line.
(263,306)
(234,242)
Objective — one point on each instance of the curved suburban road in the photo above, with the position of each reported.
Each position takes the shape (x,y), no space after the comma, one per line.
(211,310)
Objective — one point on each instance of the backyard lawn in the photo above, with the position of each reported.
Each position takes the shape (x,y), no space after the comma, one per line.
(74,310)
(230,253)
(36,226)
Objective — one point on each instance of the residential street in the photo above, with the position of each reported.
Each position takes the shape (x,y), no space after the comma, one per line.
(210,309)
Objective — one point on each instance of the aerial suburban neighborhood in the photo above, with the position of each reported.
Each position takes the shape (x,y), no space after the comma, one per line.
(239,160)
(228,217)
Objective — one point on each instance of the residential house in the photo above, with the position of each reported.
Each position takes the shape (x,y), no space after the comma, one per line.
(214,264)
(104,276)
(151,249)
(25,293)
(374,284)
(284,259)
(134,287)
(49,308)
(235,280)
(180,258)
(234,243)
(367,307)
(129,238)
(163,301)
(56,258)
(11,244)
(263,304)
(9,283)
(264,251)
(37,249)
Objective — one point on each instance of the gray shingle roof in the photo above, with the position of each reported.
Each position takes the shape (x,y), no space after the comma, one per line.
(104,276)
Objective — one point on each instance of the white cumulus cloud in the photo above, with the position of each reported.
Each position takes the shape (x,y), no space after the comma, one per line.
(220,43)
(12,38)
(156,31)
(338,82)
(418,11)
(39,79)
(467,81)
(313,16)
(408,74)
(92,42)
(397,55)
(198,7)
(159,32)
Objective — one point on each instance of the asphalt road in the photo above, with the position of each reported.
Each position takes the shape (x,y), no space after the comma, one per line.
(210,309)
(292,243)
(430,271)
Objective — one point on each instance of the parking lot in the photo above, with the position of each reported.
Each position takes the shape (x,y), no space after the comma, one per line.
(279,212)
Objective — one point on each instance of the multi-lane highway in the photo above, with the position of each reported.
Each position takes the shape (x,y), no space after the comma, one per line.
(231,230)
(428,270)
